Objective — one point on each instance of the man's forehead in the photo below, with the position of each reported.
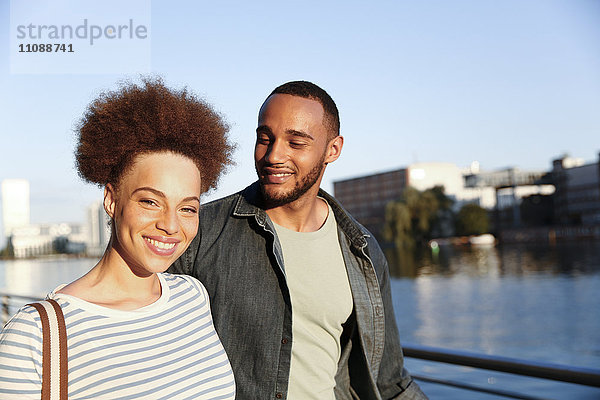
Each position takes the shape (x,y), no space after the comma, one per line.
(288,113)
(292,103)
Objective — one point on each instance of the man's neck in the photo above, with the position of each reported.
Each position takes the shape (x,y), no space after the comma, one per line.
(307,214)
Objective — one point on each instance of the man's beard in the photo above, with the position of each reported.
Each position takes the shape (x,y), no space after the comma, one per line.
(280,199)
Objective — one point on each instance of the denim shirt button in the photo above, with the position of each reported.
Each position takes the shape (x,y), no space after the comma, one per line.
(378,311)
(279,395)
(284,341)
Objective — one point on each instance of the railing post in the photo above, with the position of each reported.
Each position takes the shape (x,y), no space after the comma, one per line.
(5,310)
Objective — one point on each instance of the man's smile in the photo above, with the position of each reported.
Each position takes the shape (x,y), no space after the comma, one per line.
(275,175)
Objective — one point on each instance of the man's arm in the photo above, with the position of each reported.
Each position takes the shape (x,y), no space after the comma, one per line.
(394,381)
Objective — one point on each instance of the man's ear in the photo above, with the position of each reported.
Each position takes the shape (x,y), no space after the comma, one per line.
(334,149)
(110,198)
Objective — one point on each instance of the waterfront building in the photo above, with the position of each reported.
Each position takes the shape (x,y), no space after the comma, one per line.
(15,204)
(577,199)
(98,229)
(43,239)
(365,197)
(509,186)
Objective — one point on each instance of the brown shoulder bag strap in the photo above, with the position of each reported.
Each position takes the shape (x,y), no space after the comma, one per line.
(54,350)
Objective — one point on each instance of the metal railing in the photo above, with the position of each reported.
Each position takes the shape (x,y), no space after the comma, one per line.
(555,372)
(11,302)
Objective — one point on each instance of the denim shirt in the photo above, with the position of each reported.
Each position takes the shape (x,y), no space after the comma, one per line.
(238,258)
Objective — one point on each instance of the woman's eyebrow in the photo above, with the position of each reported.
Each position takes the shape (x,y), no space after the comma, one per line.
(161,194)
(149,189)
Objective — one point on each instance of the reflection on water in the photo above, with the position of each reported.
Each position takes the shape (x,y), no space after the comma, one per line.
(37,277)
(570,258)
(537,302)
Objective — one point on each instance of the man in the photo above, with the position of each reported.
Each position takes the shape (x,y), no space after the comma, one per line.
(299,290)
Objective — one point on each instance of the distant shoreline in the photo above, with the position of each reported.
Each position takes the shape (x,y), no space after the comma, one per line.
(50,257)
(549,234)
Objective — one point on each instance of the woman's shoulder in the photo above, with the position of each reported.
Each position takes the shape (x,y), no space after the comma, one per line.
(21,355)
(177,282)
(26,320)
(21,334)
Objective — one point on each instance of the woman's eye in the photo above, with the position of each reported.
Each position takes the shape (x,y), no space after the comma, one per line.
(148,202)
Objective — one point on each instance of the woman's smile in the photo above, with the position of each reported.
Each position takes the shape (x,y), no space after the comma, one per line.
(161,246)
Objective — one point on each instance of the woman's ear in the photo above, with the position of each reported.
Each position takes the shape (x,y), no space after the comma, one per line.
(110,199)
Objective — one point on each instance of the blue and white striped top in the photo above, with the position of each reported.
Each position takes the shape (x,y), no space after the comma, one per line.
(166,350)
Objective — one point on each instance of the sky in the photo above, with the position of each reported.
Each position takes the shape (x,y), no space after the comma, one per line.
(506,83)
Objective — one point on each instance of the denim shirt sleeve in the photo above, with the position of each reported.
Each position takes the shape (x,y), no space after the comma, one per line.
(393,381)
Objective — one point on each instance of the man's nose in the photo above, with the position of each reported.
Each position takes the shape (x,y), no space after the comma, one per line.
(276,152)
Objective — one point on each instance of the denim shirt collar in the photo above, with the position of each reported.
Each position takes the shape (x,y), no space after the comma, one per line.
(247,205)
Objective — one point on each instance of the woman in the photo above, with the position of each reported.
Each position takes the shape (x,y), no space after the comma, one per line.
(133,331)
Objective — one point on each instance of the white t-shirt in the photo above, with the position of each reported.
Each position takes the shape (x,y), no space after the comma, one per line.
(321,302)
(166,350)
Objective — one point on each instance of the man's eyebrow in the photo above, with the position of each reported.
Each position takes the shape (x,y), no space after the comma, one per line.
(292,132)
(263,128)
(299,133)
(161,194)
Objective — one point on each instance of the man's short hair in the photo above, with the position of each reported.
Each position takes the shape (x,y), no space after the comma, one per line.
(308,90)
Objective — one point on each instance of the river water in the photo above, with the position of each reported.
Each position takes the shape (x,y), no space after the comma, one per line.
(534,302)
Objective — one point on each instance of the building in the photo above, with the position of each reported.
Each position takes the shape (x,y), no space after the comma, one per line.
(366,197)
(577,199)
(15,204)
(32,240)
(43,239)
(505,190)
(98,229)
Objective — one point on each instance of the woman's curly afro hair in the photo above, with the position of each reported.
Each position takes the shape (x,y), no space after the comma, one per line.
(134,120)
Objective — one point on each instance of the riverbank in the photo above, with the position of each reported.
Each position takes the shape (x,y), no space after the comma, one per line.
(60,256)
(549,234)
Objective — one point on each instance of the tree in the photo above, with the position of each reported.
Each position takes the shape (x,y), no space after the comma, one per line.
(8,251)
(472,220)
(412,219)
(398,226)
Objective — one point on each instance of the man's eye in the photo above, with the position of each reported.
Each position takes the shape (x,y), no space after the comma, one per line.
(189,210)
(263,140)
(297,144)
